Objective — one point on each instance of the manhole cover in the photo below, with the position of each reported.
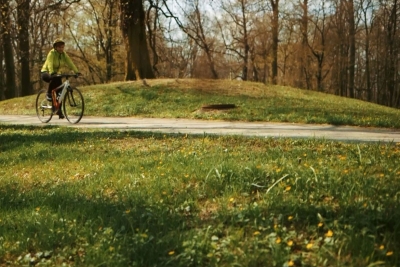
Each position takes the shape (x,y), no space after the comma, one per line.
(219,106)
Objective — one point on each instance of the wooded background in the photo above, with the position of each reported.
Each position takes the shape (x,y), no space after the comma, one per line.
(344,47)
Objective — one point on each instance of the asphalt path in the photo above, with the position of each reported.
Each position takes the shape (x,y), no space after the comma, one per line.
(187,126)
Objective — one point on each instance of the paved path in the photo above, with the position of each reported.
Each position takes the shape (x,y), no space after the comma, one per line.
(264,129)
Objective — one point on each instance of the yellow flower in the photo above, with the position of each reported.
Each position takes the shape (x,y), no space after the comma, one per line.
(290,263)
(37,209)
(171,252)
(278,240)
(256,233)
(290,243)
(231,199)
(389,253)
(320,224)
(290,218)
(288,188)
(329,233)
(382,247)
(309,246)
(144,235)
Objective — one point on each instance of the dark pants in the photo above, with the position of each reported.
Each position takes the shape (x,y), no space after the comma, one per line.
(53,82)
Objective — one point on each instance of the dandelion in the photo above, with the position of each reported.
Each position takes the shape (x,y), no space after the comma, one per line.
(278,240)
(320,224)
(288,188)
(389,253)
(329,233)
(309,246)
(144,235)
(290,243)
(171,253)
(382,247)
(256,233)
(231,199)
(290,218)
(290,263)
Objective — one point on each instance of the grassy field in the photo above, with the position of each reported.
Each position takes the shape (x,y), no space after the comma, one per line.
(83,197)
(254,101)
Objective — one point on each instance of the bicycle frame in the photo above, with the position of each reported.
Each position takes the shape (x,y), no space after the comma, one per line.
(64,87)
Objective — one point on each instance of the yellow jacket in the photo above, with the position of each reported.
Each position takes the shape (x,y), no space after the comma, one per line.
(57,62)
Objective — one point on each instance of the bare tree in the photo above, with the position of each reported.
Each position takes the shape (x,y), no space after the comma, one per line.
(137,64)
(106,22)
(367,17)
(237,31)
(275,39)
(194,27)
(23,13)
(2,96)
(11,88)
(318,42)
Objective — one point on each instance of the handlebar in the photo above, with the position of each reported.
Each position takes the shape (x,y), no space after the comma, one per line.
(67,76)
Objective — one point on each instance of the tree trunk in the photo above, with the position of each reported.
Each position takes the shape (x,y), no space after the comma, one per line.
(275,40)
(2,96)
(367,57)
(23,39)
(11,90)
(137,63)
(303,68)
(352,44)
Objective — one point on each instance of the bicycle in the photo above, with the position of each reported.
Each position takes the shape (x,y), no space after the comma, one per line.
(70,98)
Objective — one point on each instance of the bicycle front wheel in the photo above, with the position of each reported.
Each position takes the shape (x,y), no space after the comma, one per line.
(73,105)
(44,108)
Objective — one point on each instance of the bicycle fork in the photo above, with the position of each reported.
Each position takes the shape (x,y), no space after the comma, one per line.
(57,102)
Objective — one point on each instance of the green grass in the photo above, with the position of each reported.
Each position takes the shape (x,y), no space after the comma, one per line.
(80,197)
(255,102)
(74,197)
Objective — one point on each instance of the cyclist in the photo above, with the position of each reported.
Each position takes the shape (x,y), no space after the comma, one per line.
(56,61)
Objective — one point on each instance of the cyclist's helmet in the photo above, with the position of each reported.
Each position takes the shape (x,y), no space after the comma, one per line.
(58,41)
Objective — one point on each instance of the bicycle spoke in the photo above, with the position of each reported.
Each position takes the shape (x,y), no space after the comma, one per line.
(44,108)
(73,105)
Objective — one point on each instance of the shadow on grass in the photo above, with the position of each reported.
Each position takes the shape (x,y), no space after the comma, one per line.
(144,232)
(50,135)
(59,219)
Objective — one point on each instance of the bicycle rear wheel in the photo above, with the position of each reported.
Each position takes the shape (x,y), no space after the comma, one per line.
(44,108)
(73,105)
